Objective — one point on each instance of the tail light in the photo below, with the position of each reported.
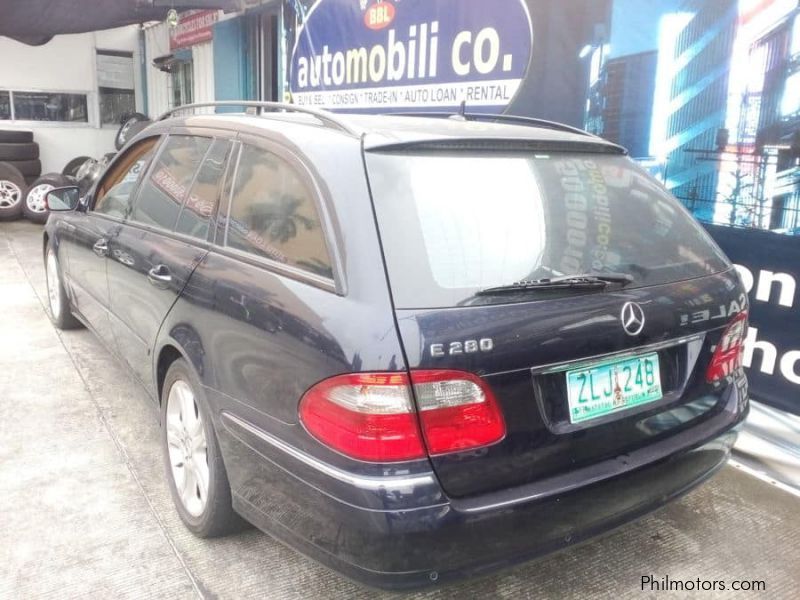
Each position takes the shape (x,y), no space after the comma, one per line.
(372,417)
(728,353)
(368,416)
(457,411)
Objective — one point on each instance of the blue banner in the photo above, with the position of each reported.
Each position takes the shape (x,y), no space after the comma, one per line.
(769,265)
(405,55)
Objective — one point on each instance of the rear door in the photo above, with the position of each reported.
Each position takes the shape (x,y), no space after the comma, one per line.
(582,375)
(163,240)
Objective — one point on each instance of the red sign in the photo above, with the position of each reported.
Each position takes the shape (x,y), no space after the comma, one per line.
(379,15)
(194,27)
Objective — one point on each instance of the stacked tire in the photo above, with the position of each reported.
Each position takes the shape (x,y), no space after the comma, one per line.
(18,149)
(23,188)
(19,166)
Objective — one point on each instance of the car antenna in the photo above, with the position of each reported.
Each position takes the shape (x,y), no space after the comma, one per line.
(462,112)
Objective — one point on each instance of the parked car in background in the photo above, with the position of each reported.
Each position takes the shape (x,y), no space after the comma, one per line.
(412,348)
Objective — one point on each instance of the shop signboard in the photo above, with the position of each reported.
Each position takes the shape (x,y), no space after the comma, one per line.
(405,55)
(194,27)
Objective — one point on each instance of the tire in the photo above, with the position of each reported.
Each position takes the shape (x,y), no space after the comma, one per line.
(185,415)
(34,208)
(27,151)
(12,192)
(71,168)
(59,308)
(12,136)
(88,173)
(136,116)
(130,126)
(31,168)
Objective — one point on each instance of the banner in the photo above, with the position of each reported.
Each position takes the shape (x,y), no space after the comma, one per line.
(405,55)
(769,266)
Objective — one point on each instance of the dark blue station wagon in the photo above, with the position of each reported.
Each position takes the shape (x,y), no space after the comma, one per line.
(413,348)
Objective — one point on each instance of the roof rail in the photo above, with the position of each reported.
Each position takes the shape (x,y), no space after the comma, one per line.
(327,119)
(463,116)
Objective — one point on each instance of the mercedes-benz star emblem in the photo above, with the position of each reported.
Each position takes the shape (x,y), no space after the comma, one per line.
(632,318)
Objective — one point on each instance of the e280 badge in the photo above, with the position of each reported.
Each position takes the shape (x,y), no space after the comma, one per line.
(465,347)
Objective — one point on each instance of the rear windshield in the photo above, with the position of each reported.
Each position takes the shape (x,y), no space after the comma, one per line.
(453,223)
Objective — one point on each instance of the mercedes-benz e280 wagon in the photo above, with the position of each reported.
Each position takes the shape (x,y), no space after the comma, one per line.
(413,348)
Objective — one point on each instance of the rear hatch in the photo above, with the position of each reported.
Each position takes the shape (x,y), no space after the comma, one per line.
(582,372)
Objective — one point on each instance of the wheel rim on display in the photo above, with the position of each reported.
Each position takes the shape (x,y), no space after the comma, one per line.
(84,169)
(53,285)
(123,133)
(36,197)
(10,194)
(187,447)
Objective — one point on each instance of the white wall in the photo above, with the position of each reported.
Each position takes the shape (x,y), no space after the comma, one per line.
(66,64)
(203,64)
(159,85)
(127,40)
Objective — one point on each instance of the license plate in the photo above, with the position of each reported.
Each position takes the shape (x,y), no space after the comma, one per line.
(610,387)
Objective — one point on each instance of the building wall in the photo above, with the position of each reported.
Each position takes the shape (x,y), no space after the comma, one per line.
(230,49)
(699,97)
(203,60)
(159,87)
(66,64)
(628,87)
(159,83)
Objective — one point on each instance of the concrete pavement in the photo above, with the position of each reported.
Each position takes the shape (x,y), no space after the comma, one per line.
(85,510)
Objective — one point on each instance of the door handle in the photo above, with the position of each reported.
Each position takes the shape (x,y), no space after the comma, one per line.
(101,247)
(159,276)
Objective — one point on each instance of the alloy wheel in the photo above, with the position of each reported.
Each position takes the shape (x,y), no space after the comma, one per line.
(10,194)
(187,447)
(36,197)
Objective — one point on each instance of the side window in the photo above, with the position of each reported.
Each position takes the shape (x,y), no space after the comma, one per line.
(114,194)
(273,214)
(161,196)
(202,199)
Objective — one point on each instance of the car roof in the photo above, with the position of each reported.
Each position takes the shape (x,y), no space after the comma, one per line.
(392,131)
(388,130)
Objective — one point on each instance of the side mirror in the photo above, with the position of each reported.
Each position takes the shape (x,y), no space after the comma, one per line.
(63,199)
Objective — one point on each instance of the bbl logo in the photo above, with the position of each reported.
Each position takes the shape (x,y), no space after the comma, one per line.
(378,15)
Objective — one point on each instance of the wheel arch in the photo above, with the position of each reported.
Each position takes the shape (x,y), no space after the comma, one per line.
(167,355)
(182,342)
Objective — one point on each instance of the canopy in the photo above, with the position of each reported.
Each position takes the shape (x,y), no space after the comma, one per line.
(35,22)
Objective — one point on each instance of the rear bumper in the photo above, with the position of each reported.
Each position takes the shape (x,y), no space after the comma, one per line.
(427,538)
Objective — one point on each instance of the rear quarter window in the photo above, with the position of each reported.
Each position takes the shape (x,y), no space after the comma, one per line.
(273,214)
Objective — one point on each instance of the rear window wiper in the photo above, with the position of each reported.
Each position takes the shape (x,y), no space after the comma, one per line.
(589,281)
